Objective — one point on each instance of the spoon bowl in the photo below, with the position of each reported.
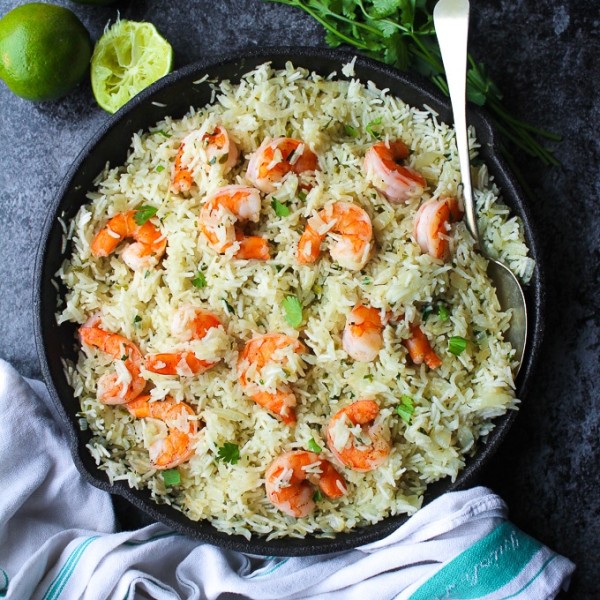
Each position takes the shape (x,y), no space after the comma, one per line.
(451,20)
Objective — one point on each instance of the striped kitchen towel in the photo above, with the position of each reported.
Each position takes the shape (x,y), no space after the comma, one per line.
(58,539)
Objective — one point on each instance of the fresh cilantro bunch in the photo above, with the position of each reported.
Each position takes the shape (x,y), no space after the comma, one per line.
(401,33)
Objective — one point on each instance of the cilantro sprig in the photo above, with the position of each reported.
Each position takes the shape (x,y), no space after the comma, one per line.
(229,453)
(401,33)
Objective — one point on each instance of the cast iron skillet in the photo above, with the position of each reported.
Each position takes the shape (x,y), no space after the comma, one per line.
(173,95)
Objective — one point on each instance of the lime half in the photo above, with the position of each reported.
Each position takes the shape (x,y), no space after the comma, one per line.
(128,58)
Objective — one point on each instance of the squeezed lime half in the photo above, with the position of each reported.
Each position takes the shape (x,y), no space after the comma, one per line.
(128,58)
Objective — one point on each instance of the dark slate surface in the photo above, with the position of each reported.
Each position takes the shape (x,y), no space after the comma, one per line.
(544,56)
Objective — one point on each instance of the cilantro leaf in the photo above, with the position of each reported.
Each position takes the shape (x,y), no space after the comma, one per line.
(281,210)
(171,477)
(373,132)
(443,312)
(350,131)
(293,310)
(457,345)
(385,8)
(313,446)
(144,213)
(406,408)
(199,281)
(229,453)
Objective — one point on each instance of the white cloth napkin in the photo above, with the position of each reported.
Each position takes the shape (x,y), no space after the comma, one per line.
(58,540)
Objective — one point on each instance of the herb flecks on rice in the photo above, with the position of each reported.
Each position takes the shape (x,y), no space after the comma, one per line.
(434,417)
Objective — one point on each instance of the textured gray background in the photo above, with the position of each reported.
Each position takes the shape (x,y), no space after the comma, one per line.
(544,56)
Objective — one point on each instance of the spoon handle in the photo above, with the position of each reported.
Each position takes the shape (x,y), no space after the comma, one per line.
(451,20)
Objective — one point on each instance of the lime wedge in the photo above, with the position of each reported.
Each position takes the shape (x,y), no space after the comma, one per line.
(128,58)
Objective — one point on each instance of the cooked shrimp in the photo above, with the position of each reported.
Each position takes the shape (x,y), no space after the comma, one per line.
(125,383)
(189,323)
(290,478)
(361,449)
(362,338)
(255,364)
(144,253)
(274,159)
(420,349)
(349,229)
(212,148)
(193,323)
(395,181)
(184,363)
(176,447)
(432,225)
(220,214)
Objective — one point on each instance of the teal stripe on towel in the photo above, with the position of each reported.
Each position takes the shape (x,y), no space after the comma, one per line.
(540,571)
(4,585)
(269,570)
(485,567)
(60,581)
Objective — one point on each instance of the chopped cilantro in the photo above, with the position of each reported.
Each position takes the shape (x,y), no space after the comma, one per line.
(229,453)
(293,310)
(350,131)
(443,312)
(373,132)
(457,345)
(313,446)
(171,477)
(440,308)
(406,408)
(163,133)
(228,306)
(368,377)
(281,210)
(159,169)
(144,214)
(199,281)
(301,195)
(317,496)
(137,319)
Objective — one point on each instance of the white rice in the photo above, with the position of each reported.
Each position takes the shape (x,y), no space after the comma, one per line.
(454,404)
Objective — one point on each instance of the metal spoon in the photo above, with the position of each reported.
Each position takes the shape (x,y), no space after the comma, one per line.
(451,20)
